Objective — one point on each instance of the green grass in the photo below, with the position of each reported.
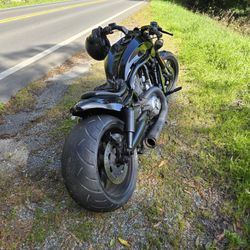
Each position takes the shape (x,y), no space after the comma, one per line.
(25,98)
(234,240)
(216,84)
(10,3)
(1,107)
(43,225)
(82,230)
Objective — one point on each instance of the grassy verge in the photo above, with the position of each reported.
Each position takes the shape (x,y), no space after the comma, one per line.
(216,88)
(10,3)
(231,13)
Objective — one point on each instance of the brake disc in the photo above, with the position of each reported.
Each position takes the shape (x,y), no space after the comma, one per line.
(115,172)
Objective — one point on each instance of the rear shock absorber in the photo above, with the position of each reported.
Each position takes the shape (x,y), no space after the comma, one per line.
(129,126)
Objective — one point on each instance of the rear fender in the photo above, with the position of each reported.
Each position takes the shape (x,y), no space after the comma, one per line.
(102,104)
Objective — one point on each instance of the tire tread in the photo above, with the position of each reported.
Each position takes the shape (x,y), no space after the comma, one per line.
(79,164)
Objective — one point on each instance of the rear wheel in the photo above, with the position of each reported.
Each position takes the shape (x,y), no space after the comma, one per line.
(93,166)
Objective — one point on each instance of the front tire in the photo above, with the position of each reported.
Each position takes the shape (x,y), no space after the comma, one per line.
(89,168)
(172,68)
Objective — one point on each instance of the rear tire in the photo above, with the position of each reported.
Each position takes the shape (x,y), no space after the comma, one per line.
(83,165)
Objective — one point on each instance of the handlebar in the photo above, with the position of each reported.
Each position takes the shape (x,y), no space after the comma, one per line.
(152,29)
(113,26)
(155,29)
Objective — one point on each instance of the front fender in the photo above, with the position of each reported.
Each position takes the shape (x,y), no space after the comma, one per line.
(109,103)
(163,54)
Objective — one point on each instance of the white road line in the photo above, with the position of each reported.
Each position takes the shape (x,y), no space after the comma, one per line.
(46,52)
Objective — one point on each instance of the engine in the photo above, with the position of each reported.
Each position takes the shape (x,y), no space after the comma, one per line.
(141,85)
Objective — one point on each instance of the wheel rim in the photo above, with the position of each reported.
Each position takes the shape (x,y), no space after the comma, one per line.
(115,172)
(114,178)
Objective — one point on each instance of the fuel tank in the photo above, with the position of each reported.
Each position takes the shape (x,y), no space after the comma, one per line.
(123,55)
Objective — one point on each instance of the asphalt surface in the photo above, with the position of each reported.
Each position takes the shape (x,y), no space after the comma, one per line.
(35,39)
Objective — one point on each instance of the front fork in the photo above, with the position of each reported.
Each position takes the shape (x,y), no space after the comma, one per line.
(164,70)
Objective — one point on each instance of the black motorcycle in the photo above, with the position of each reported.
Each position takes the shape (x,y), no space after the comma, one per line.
(119,119)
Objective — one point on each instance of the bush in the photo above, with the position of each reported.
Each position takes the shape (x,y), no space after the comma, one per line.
(216,6)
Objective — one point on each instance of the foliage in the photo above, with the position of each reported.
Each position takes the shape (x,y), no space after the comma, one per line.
(205,5)
(236,12)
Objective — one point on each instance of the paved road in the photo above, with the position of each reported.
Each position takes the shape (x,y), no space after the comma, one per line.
(37,38)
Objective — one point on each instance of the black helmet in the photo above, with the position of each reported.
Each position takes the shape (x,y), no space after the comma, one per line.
(97,44)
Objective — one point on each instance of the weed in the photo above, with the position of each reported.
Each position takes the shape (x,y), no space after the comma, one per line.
(44,223)
(63,128)
(25,99)
(82,230)
(235,241)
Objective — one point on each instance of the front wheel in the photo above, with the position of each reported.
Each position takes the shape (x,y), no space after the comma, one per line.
(93,167)
(172,69)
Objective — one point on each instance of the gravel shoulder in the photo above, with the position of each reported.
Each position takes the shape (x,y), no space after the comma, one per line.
(174,206)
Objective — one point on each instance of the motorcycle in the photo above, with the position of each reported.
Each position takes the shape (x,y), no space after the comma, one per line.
(120,119)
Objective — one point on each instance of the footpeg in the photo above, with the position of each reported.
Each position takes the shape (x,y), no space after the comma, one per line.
(173,91)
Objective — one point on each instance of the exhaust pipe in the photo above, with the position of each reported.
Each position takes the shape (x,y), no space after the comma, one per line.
(150,142)
(155,131)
